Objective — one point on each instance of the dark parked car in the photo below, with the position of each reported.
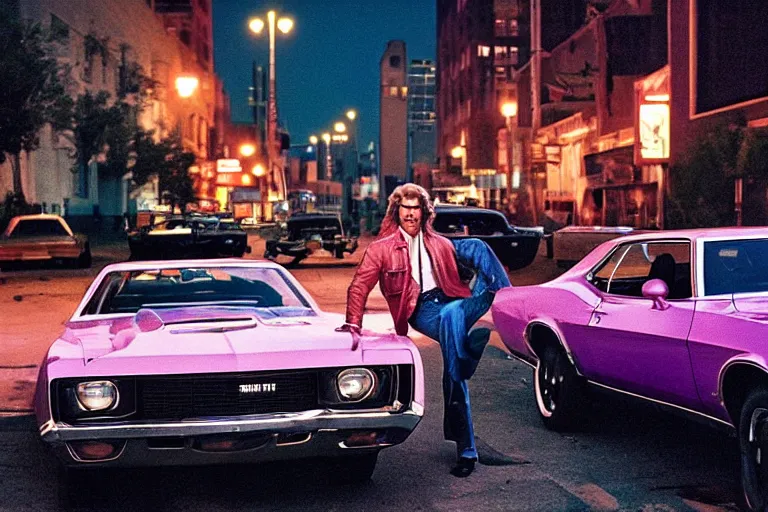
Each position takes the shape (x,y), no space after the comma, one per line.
(515,247)
(189,237)
(309,233)
(43,237)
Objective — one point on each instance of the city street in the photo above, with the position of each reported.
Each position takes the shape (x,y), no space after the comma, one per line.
(628,456)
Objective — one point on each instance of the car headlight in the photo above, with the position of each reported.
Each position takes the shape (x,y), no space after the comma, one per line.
(97,395)
(355,384)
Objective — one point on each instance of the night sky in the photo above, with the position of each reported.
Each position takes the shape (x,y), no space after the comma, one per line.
(327,64)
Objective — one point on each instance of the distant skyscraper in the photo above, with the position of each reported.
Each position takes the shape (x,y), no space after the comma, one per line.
(421,112)
(393,123)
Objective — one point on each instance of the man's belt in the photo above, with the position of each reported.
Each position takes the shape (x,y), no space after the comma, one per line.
(434,295)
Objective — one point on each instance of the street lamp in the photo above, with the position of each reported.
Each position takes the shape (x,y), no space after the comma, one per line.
(259,171)
(186,85)
(351,115)
(509,111)
(327,140)
(247,150)
(339,127)
(257,26)
(313,140)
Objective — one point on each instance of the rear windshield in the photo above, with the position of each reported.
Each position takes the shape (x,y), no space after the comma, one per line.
(470,223)
(38,227)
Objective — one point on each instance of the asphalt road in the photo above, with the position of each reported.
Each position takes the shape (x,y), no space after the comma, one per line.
(627,456)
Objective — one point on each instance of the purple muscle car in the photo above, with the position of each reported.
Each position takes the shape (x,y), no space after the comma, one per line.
(677,317)
(219,361)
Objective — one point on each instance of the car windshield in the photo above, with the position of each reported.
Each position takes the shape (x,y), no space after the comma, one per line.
(38,227)
(735,266)
(129,291)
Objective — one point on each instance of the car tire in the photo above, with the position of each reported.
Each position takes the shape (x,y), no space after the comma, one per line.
(558,389)
(86,259)
(354,469)
(754,453)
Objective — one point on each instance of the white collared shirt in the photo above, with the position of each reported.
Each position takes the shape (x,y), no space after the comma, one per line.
(416,245)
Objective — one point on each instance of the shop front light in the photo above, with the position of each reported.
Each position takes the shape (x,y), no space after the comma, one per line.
(355,384)
(97,395)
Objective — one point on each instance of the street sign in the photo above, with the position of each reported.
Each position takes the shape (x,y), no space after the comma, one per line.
(228,165)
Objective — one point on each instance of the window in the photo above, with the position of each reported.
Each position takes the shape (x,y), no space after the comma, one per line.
(632,265)
(514,55)
(735,266)
(38,227)
(483,51)
(514,28)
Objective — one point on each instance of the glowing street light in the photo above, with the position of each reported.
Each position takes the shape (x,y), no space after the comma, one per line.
(457,152)
(327,138)
(509,110)
(256,25)
(246,180)
(284,25)
(351,115)
(186,85)
(259,170)
(247,150)
(313,140)
(339,127)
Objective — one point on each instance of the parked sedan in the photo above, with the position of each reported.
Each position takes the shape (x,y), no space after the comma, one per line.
(217,362)
(189,237)
(678,318)
(307,234)
(43,237)
(515,247)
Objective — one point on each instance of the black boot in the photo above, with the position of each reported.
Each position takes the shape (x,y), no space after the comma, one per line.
(463,468)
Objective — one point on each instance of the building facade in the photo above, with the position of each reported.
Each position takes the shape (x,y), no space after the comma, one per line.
(393,117)
(422,116)
(135,41)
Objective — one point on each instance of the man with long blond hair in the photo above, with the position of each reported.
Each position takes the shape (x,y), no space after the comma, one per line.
(418,273)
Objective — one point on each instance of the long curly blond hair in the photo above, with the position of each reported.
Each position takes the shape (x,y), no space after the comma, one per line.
(391,219)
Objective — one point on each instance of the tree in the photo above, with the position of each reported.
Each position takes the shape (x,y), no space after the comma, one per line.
(167,161)
(91,120)
(32,91)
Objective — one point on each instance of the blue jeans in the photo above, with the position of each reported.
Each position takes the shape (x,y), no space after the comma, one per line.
(448,320)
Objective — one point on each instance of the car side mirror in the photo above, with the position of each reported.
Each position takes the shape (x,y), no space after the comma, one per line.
(656,290)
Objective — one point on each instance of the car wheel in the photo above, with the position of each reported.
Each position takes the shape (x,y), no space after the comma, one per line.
(85,260)
(753,444)
(353,470)
(558,388)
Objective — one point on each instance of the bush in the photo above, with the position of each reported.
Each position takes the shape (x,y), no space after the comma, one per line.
(15,204)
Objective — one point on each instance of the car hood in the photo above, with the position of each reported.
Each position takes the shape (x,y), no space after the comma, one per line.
(237,341)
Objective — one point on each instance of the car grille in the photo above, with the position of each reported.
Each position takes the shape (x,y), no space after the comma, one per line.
(194,396)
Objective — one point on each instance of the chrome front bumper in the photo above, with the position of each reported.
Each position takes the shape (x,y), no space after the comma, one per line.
(326,430)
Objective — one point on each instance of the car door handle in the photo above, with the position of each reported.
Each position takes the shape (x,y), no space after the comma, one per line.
(596,317)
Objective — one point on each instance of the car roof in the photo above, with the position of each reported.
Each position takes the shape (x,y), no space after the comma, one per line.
(39,216)
(695,234)
(466,209)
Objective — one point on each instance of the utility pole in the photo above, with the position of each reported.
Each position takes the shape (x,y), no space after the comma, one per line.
(535,92)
